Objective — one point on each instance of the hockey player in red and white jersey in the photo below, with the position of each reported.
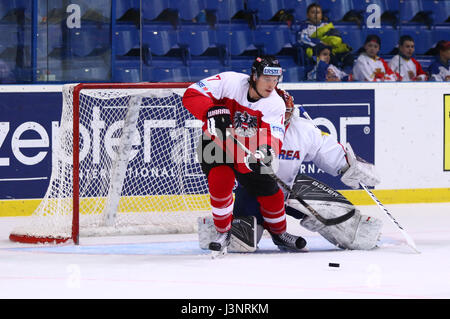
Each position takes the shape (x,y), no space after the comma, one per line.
(304,142)
(249,108)
(369,66)
(404,64)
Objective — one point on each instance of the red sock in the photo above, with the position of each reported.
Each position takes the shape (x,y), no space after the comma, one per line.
(221,183)
(272,209)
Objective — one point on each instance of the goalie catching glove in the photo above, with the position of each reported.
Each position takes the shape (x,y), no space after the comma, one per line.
(218,120)
(358,171)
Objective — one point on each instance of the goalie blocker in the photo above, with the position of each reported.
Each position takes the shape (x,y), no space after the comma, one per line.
(361,232)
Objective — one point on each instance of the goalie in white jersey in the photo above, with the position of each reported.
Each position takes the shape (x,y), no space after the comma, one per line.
(304,142)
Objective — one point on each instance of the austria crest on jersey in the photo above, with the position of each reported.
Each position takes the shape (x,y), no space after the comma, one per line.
(245,124)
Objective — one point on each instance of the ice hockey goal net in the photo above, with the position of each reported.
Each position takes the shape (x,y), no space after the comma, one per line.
(124,163)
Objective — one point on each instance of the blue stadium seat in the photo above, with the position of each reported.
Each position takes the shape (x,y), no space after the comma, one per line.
(388,11)
(439,10)
(408,9)
(242,64)
(294,74)
(160,39)
(335,10)
(13,7)
(127,75)
(197,38)
(300,7)
(167,74)
(236,38)
(351,34)
(6,8)
(9,36)
(265,9)
(361,6)
(126,38)
(90,39)
(152,9)
(188,9)
(96,11)
(388,35)
(422,35)
(425,61)
(101,74)
(224,10)
(198,73)
(123,6)
(49,39)
(15,44)
(272,38)
(441,32)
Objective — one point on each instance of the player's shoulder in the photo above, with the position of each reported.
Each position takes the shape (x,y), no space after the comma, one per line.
(361,58)
(395,60)
(233,76)
(275,97)
(300,123)
(434,66)
(273,101)
(301,129)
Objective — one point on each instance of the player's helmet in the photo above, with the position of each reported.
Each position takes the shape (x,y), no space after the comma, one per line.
(267,65)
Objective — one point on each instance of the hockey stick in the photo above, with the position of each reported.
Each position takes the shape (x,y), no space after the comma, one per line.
(325,221)
(409,240)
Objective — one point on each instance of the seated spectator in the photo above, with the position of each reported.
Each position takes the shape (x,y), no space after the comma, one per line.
(369,66)
(324,70)
(315,30)
(439,70)
(404,64)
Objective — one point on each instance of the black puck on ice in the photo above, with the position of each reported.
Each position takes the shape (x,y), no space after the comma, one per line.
(333,265)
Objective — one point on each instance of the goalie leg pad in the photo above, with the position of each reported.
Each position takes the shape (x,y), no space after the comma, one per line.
(206,231)
(360,232)
(367,234)
(245,233)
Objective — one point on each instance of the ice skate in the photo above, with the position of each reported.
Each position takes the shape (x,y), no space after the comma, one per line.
(289,242)
(220,245)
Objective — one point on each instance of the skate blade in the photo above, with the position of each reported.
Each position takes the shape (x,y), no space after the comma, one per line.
(215,254)
(293,250)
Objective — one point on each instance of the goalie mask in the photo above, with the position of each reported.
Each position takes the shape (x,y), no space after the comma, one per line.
(289,102)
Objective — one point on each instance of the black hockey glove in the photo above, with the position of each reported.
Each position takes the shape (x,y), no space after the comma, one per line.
(218,120)
(262,159)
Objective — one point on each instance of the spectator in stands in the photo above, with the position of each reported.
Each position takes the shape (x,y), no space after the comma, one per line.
(439,70)
(316,30)
(369,66)
(324,70)
(404,64)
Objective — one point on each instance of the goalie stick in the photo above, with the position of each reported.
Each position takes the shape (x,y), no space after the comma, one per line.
(325,221)
(409,240)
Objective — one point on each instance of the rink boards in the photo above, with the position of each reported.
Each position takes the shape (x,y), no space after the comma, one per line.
(404,128)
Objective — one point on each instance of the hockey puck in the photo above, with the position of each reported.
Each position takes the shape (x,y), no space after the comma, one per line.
(333,265)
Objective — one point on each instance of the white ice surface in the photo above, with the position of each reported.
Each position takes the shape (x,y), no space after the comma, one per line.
(173,266)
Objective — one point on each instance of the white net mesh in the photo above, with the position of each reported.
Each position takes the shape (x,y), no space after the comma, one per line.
(138,168)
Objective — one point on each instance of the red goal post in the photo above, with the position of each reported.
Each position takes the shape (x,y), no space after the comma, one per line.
(124,163)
